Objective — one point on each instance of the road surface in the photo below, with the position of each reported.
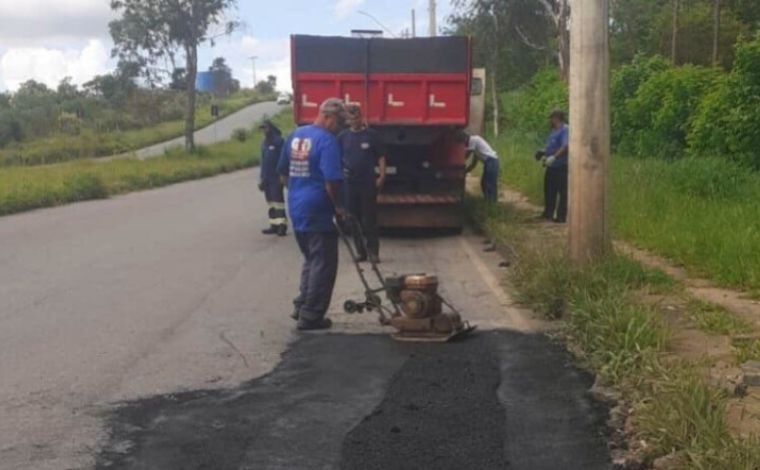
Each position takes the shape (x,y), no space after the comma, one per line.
(151,331)
(219,131)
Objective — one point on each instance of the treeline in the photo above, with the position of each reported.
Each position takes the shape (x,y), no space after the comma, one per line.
(112,102)
(685,80)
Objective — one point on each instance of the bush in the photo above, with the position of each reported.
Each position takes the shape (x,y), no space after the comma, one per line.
(727,121)
(240,134)
(625,82)
(655,121)
(527,108)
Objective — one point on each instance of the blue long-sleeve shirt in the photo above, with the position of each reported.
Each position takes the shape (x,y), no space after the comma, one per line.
(557,139)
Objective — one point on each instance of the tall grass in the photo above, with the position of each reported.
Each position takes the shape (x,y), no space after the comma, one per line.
(625,341)
(90,143)
(702,213)
(25,188)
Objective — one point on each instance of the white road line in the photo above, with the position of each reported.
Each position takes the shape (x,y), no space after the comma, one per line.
(514,318)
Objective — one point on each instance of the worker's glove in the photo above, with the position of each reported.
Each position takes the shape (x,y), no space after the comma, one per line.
(261,186)
(550,161)
(540,154)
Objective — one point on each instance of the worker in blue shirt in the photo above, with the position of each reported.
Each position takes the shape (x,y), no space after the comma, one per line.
(555,161)
(363,151)
(311,166)
(269,180)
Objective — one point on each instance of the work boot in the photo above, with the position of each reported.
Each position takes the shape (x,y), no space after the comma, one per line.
(374,259)
(295,315)
(312,325)
(282,230)
(272,230)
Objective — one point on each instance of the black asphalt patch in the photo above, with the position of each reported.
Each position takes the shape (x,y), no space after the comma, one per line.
(440,412)
(494,400)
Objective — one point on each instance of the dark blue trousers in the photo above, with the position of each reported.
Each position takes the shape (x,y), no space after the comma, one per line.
(489,183)
(320,268)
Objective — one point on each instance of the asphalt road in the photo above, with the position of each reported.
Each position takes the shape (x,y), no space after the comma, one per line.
(151,331)
(219,131)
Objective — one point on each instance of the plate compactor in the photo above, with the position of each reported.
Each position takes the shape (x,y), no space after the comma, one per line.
(415,309)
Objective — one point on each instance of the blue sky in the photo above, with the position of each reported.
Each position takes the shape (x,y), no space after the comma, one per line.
(47,40)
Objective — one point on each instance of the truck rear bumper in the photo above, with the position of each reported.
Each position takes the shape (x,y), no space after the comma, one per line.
(420,211)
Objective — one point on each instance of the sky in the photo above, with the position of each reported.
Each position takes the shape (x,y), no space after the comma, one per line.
(48,40)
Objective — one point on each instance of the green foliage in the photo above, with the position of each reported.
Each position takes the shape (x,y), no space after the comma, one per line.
(625,82)
(717,320)
(727,122)
(656,119)
(25,188)
(105,132)
(527,109)
(240,134)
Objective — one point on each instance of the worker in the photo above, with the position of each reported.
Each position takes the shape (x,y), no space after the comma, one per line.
(555,176)
(363,151)
(311,166)
(483,152)
(269,180)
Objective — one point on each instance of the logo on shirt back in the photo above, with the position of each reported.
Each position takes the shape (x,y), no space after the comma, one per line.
(300,148)
(365,145)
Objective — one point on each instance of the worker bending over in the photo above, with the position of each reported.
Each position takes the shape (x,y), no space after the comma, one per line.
(269,179)
(363,151)
(555,177)
(311,165)
(489,183)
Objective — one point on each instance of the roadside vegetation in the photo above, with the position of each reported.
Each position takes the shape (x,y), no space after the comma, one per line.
(25,188)
(149,117)
(668,407)
(685,181)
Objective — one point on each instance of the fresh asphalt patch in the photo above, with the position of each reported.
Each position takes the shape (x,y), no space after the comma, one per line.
(494,400)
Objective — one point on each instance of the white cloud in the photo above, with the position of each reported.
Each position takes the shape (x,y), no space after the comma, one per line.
(38,22)
(343,8)
(273,58)
(50,66)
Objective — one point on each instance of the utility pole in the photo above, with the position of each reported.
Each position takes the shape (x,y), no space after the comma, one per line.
(253,66)
(433,18)
(589,131)
(414,23)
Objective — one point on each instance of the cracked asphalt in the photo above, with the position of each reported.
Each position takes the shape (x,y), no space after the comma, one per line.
(151,331)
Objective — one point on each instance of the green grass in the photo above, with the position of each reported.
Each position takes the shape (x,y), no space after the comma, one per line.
(702,213)
(716,320)
(91,144)
(624,341)
(25,188)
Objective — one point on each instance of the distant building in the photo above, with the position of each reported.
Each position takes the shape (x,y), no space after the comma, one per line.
(216,82)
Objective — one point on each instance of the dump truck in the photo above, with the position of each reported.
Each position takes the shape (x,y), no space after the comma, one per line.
(416,93)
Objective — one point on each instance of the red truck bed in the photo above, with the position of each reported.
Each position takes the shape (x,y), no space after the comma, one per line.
(421,81)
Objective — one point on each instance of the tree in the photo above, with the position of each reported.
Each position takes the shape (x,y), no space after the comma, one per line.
(268,86)
(220,65)
(559,13)
(151,31)
(179,79)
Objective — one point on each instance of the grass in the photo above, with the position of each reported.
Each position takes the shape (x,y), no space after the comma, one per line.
(675,409)
(25,188)
(92,144)
(701,213)
(716,320)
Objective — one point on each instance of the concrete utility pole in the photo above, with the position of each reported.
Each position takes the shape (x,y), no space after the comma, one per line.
(589,130)
(433,18)
(414,23)
(253,65)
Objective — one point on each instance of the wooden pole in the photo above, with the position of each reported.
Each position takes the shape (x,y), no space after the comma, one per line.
(589,130)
